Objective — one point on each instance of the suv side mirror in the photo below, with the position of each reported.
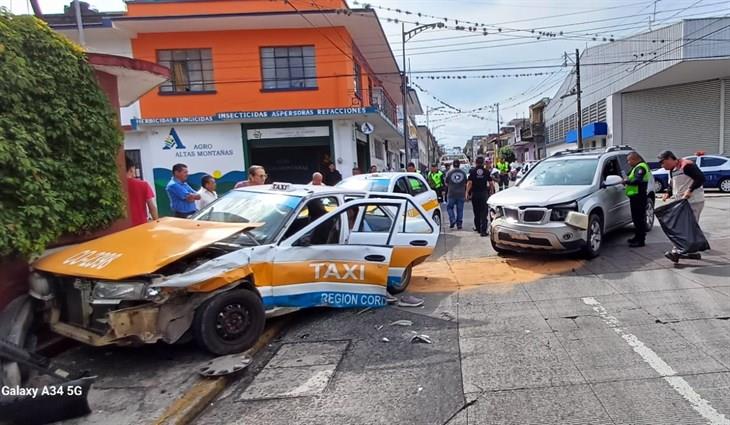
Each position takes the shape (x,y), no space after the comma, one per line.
(613,180)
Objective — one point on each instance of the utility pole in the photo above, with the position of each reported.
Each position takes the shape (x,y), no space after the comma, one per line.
(405,96)
(577,90)
(79,23)
(496,143)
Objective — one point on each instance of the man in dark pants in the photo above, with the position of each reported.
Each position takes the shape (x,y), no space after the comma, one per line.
(478,186)
(636,188)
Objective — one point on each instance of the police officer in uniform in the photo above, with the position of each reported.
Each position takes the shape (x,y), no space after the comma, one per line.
(478,186)
(436,181)
(637,185)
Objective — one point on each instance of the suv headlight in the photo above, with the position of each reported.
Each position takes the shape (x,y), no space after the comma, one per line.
(495,212)
(132,291)
(560,212)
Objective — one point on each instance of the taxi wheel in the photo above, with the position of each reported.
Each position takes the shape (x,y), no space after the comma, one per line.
(437,218)
(230,322)
(404,281)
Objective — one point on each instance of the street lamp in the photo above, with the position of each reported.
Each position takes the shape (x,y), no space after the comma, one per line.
(406,36)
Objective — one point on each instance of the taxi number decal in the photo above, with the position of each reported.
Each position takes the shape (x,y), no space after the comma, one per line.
(349,271)
(91,259)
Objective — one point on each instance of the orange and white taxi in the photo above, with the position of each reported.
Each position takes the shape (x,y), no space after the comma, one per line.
(217,276)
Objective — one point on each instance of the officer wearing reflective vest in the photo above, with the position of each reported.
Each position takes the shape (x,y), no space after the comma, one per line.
(503,168)
(436,181)
(637,185)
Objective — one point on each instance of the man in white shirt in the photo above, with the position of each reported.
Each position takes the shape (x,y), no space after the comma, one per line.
(206,192)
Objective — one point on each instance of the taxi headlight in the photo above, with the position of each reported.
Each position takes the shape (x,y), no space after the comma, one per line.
(123,291)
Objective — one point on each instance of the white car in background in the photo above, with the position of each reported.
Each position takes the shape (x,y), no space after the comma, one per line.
(716,169)
(399,182)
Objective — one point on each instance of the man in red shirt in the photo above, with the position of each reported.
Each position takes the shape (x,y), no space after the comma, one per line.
(139,197)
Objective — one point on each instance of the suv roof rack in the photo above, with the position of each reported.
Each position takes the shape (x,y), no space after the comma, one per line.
(619,148)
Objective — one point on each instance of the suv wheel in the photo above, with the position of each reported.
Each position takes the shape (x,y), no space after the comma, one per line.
(230,322)
(595,236)
(650,214)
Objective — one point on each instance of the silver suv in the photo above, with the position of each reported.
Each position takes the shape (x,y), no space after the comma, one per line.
(566,202)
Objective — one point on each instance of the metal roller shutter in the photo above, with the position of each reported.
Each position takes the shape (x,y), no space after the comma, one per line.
(727,117)
(683,118)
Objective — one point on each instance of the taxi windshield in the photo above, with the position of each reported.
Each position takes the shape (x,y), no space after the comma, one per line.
(369,185)
(240,206)
(562,172)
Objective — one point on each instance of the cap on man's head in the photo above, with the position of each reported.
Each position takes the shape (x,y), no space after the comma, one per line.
(666,155)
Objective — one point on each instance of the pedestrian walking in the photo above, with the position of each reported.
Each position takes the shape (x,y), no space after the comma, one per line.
(686,181)
(478,186)
(256,177)
(411,168)
(140,198)
(207,192)
(637,184)
(456,194)
(435,180)
(373,169)
(182,196)
(316,179)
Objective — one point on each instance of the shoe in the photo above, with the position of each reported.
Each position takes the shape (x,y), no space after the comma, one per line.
(672,256)
(451,226)
(694,255)
(630,241)
(474,229)
(410,301)
(390,299)
(458,227)
(484,234)
(636,244)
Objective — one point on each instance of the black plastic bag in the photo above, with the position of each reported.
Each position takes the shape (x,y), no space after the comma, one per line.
(679,224)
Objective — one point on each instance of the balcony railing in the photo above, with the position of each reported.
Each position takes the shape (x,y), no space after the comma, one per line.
(385,105)
(533,130)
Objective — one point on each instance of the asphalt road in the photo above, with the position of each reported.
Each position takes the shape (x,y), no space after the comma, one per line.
(623,339)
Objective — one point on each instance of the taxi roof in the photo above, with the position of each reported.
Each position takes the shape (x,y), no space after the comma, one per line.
(299,190)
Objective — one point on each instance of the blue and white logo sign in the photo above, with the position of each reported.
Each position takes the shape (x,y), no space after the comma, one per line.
(173,139)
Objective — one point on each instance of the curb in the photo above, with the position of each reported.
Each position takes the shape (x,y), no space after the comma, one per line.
(196,398)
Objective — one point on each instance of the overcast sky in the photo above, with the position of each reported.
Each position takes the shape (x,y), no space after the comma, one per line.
(450,49)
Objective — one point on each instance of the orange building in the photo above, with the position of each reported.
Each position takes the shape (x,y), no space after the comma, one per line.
(289,85)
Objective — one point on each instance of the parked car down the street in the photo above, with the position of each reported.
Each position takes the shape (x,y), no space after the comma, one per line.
(248,254)
(399,182)
(716,169)
(565,203)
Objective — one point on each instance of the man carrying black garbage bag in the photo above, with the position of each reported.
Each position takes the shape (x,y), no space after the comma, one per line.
(685,182)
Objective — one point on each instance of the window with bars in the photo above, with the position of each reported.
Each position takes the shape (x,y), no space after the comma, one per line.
(191,70)
(379,149)
(288,68)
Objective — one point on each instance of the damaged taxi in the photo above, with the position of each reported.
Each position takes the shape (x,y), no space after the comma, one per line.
(216,277)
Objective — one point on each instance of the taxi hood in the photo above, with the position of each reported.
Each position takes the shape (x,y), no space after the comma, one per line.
(139,250)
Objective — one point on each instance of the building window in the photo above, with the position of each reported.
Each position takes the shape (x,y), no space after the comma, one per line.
(358,80)
(370,92)
(191,70)
(379,149)
(288,68)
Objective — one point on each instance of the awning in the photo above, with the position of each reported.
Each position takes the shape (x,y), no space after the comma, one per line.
(134,77)
(590,131)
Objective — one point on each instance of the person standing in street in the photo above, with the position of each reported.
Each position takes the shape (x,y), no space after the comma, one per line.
(435,180)
(356,171)
(456,194)
(686,181)
(478,187)
(140,198)
(411,168)
(503,168)
(316,179)
(333,176)
(207,192)
(182,196)
(373,169)
(256,177)
(637,185)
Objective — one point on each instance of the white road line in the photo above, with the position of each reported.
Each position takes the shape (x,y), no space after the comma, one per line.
(679,384)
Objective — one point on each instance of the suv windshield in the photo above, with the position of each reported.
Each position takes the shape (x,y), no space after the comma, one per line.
(369,185)
(240,206)
(562,172)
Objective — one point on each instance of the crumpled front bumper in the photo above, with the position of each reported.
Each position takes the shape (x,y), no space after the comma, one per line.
(552,236)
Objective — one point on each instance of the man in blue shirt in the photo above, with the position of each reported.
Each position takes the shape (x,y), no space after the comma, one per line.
(182,196)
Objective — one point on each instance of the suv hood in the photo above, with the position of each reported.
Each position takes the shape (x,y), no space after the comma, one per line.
(538,196)
(139,250)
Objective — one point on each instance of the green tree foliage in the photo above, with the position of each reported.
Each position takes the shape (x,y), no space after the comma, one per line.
(506,154)
(58,140)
